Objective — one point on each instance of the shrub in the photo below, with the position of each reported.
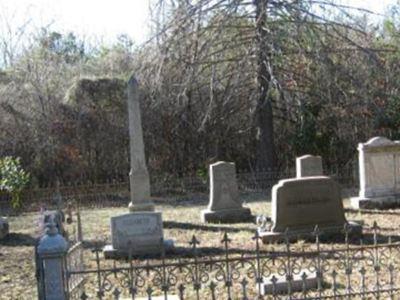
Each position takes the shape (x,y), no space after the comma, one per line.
(13,179)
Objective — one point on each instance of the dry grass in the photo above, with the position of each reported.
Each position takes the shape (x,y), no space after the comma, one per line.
(181,222)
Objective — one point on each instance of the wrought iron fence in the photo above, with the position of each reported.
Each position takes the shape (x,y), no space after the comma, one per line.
(74,261)
(366,269)
(166,188)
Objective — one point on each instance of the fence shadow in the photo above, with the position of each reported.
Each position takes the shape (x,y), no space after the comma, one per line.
(191,226)
(18,239)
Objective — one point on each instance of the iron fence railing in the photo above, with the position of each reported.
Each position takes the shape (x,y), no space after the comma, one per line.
(346,269)
(116,193)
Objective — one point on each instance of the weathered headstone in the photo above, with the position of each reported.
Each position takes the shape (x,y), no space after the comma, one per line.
(299,204)
(138,176)
(379,169)
(308,165)
(139,233)
(225,205)
(4,228)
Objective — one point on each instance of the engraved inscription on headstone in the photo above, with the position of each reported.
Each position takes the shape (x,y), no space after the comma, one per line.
(299,204)
(225,205)
(137,233)
(306,202)
(379,163)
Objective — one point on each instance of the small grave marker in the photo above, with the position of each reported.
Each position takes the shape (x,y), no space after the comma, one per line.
(308,165)
(139,233)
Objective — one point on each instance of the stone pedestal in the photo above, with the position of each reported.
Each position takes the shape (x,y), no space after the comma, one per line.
(242,214)
(225,205)
(140,191)
(111,253)
(386,202)
(326,233)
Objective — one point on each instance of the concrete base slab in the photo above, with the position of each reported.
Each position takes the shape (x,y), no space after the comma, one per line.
(111,253)
(281,285)
(326,233)
(145,206)
(227,215)
(386,202)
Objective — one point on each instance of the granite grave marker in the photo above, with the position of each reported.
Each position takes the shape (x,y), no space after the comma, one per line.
(299,204)
(308,165)
(139,233)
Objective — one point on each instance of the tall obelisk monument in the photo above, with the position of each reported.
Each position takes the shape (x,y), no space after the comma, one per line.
(139,175)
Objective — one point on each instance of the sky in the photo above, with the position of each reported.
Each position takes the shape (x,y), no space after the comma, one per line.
(105,18)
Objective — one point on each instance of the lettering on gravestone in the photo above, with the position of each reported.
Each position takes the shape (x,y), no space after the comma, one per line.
(299,204)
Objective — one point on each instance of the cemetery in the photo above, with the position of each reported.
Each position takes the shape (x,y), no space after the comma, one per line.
(294,234)
(245,150)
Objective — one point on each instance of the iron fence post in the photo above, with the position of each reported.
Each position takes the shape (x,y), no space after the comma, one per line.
(51,252)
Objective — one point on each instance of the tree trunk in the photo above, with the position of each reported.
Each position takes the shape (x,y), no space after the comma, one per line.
(266,156)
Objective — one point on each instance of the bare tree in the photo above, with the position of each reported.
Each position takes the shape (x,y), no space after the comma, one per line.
(203,39)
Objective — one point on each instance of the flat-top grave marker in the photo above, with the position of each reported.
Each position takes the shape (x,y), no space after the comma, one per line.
(225,205)
(139,233)
(308,165)
(379,168)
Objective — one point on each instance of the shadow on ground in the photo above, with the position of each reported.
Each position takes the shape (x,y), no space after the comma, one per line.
(18,239)
(212,228)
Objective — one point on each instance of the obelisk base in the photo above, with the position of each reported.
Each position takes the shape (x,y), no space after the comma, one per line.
(144,206)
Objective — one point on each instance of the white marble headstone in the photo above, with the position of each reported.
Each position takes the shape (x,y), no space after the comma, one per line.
(379,168)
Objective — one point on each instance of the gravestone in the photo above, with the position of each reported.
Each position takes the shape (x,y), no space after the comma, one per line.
(4,228)
(139,233)
(225,205)
(138,176)
(379,169)
(299,204)
(308,165)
